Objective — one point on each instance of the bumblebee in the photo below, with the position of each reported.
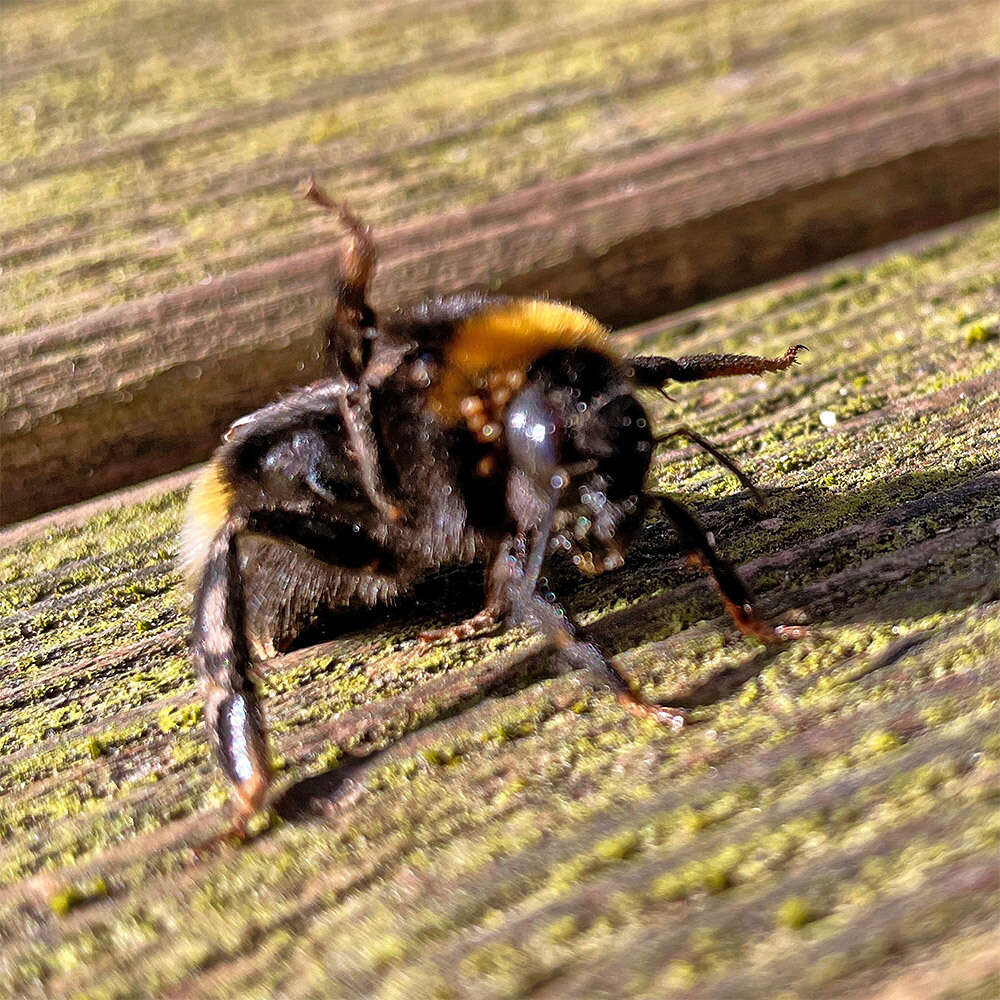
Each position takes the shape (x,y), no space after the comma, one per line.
(471,428)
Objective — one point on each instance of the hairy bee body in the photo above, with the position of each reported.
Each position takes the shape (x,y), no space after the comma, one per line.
(470,428)
(441,455)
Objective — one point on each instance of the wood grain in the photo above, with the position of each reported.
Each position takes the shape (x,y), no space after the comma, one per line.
(825,827)
(144,388)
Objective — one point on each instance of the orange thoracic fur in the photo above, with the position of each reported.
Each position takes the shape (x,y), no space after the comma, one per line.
(509,337)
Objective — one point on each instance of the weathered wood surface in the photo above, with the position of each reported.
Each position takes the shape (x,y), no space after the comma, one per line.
(147,149)
(826,827)
(161,279)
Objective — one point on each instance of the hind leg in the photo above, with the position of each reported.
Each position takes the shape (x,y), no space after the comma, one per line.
(221,658)
(221,652)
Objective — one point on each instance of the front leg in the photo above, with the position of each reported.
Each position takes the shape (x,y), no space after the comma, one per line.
(734,592)
(572,645)
(652,371)
(582,652)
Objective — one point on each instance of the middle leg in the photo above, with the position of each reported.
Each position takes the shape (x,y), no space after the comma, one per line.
(735,595)
(496,607)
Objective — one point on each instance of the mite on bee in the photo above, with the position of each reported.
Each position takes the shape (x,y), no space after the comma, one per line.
(470,428)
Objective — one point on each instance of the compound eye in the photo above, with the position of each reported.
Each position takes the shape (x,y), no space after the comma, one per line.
(534,438)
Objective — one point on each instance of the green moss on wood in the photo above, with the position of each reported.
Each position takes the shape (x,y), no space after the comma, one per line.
(821,817)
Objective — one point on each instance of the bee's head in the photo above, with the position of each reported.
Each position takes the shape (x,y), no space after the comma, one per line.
(577,431)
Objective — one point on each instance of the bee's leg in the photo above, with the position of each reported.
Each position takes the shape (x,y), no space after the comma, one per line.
(481,623)
(220,648)
(355,410)
(720,456)
(350,333)
(654,370)
(533,495)
(351,329)
(222,661)
(578,650)
(735,595)
(364,451)
(360,255)
(582,652)
(485,621)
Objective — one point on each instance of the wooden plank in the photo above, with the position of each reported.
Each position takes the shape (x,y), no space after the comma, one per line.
(143,388)
(825,827)
(173,161)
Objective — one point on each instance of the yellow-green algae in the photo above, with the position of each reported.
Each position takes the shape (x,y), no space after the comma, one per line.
(843,782)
